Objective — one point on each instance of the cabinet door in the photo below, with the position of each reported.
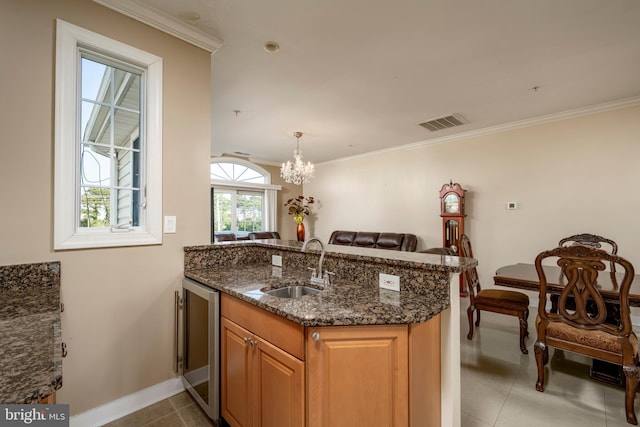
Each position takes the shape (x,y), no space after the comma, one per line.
(278,387)
(235,374)
(357,376)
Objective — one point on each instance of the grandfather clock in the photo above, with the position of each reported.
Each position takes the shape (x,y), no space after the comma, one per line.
(452,213)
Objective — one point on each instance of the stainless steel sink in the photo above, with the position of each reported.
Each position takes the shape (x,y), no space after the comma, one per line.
(292,291)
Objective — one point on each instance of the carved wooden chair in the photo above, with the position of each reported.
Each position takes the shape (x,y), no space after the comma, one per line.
(580,329)
(512,303)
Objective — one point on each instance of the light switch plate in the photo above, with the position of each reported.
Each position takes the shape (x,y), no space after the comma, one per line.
(169,224)
(389,281)
(276,260)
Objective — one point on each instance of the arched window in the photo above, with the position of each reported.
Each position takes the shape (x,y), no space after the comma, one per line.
(242,198)
(238,170)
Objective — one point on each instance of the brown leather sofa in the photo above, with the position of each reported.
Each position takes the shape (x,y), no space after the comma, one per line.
(365,239)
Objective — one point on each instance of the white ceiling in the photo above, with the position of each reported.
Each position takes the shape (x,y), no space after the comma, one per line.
(357,76)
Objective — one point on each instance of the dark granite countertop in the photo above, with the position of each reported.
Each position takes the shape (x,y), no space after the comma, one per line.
(30,333)
(244,270)
(341,303)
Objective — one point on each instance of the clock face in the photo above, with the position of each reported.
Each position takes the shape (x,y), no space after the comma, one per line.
(451,204)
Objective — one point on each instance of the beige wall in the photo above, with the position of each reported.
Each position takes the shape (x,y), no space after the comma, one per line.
(118,318)
(571,176)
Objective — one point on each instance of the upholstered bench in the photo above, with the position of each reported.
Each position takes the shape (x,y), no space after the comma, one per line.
(365,239)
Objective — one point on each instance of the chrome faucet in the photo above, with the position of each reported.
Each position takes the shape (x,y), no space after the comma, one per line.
(318,277)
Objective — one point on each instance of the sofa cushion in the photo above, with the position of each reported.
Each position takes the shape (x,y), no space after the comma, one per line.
(366,239)
(391,241)
(342,238)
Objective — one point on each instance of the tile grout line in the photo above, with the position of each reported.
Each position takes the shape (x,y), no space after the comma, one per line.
(507,395)
(181,418)
(178,410)
(521,366)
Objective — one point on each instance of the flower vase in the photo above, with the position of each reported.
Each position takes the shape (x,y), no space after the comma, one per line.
(299,218)
(300,232)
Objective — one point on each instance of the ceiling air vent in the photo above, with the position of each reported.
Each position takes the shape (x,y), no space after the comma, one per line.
(443,122)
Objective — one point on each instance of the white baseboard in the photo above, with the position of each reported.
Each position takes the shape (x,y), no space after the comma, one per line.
(128,404)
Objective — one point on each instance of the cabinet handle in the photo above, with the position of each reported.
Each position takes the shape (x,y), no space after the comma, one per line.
(177,306)
(249,341)
(315,336)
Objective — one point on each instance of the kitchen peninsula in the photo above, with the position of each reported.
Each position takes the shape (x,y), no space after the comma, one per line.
(358,352)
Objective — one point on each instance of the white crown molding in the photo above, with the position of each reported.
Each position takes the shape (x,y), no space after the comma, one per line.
(163,22)
(549,118)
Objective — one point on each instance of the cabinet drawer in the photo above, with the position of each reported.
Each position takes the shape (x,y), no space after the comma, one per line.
(279,331)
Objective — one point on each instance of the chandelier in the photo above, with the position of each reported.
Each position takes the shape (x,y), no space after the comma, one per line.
(297,172)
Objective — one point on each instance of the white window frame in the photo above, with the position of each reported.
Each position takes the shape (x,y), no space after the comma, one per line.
(234,192)
(270,208)
(67,233)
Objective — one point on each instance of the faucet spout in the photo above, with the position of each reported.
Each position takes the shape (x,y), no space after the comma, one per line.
(304,249)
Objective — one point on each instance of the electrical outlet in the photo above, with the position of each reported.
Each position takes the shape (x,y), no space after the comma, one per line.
(512,206)
(276,260)
(389,281)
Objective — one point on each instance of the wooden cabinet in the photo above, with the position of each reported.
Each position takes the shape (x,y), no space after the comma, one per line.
(356,376)
(49,400)
(368,376)
(235,370)
(262,385)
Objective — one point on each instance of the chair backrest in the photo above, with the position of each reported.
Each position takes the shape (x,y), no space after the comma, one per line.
(439,251)
(591,240)
(224,237)
(580,303)
(257,235)
(470,275)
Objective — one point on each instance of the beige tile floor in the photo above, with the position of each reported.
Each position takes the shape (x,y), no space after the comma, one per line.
(498,387)
(498,382)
